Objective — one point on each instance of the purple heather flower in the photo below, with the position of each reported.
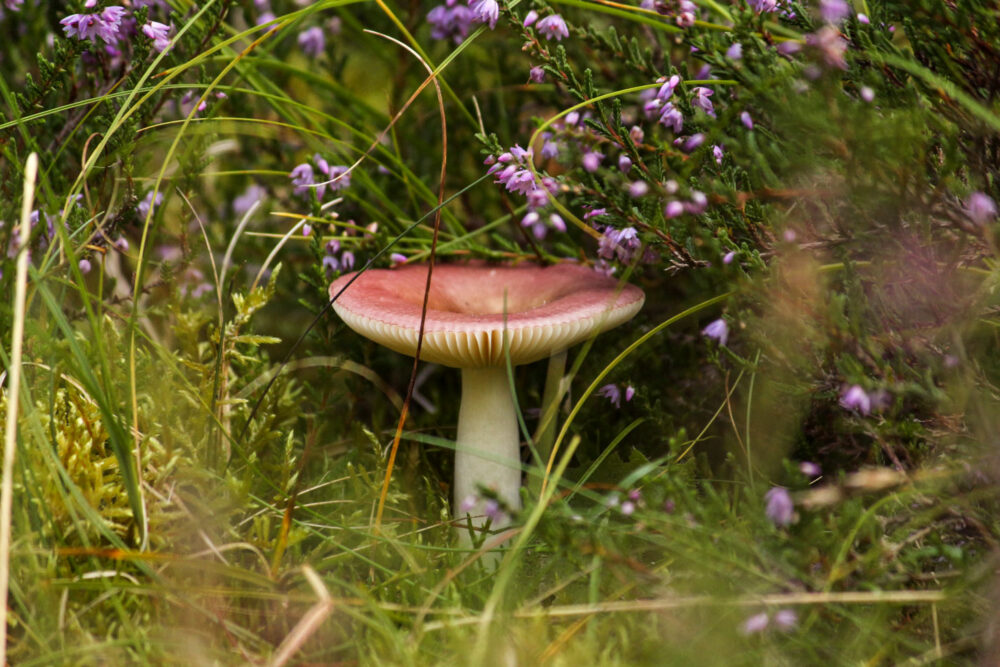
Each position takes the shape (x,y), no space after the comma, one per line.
(550,147)
(302,178)
(628,507)
(980,208)
(467,504)
(397,258)
(652,107)
(199,290)
(450,22)
(347,260)
(267,17)
(693,142)
(537,74)
(148,203)
(84,265)
(330,264)
(13,5)
(169,253)
(830,45)
(629,395)
(338,175)
(867,94)
(538,198)
(789,47)
(187,104)
(701,101)
(789,235)
(520,154)
(530,18)
(307,230)
(717,330)
(602,267)
(810,469)
(159,33)
(666,91)
(717,153)
(671,117)
(636,134)
(312,41)
(121,244)
(521,181)
(785,619)
(620,243)
(612,393)
(834,11)
(686,13)
(698,203)
(624,163)
(637,189)
(780,507)
(628,244)
(728,257)
(595,212)
(673,209)
(250,196)
(485,11)
(533,221)
(492,511)
(105,25)
(863,19)
(855,398)
(735,51)
(591,161)
(755,624)
(763,6)
(553,27)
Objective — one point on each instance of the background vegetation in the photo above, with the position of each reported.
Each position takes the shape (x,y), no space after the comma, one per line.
(803,473)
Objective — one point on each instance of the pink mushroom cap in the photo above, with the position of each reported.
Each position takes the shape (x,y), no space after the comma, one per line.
(542,309)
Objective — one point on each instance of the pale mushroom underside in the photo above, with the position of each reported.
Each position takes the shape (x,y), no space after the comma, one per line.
(473,307)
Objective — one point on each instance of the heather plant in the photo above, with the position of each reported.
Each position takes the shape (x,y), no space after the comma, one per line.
(785,458)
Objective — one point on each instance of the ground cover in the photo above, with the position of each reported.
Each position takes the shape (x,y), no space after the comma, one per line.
(787,456)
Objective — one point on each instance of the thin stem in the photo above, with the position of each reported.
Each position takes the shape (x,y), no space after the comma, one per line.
(487,452)
(546,433)
(14,385)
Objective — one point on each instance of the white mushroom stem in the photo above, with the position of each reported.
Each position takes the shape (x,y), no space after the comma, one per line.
(488,443)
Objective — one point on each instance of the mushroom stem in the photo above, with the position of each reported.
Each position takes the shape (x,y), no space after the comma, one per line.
(488,444)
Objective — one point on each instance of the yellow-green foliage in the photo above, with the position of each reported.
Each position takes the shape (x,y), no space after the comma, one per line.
(75,454)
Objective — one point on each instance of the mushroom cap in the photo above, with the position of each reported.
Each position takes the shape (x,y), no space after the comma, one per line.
(548,309)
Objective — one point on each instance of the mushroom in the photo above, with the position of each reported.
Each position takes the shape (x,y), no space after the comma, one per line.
(472,310)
